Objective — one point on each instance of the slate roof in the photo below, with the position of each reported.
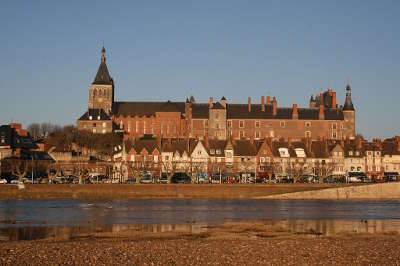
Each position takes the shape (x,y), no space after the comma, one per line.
(234,111)
(94,113)
(244,148)
(390,148)
(103,76)
(146,108)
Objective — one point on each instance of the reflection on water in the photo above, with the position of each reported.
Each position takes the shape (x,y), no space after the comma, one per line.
(60,233)
(309,227)
(33,219)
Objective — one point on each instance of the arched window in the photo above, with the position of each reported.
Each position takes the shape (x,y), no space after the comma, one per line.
(94,93)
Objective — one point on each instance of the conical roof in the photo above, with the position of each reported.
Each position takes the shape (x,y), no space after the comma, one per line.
(103,76)
(348,104)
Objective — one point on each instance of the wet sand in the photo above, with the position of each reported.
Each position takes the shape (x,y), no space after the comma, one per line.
(141,191)
(231,244)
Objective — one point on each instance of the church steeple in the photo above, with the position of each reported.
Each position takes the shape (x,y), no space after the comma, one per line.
(348,104)
(102,76)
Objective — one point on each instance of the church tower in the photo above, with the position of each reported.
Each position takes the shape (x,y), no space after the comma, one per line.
(349,115)
(101,94)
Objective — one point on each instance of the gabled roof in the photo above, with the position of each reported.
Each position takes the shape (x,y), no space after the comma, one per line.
(95,113)
(244,148)
(148,144)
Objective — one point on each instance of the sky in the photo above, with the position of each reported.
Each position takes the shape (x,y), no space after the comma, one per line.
(160,50)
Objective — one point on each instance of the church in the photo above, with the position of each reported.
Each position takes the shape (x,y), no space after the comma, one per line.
(220,120)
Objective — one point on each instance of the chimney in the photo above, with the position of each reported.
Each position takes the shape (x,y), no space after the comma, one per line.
(187,145)
(249,103)
(295,113)
(262,104)
(211,102)
(321,115)
(274,109)
(268,100)
(378,143)
(398,143)
(333,99)
(358,143)
(206,141)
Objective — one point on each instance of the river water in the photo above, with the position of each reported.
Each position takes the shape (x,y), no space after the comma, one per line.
(20,217)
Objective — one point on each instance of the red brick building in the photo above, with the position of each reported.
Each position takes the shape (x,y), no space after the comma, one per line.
(219,120)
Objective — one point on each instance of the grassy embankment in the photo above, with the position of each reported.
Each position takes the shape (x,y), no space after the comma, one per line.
(139,191)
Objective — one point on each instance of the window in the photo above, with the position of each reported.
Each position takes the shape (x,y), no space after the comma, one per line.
(369,153)
(94,130)
(257,136)
(129,126)
(218,151)
(350,153)
(155,158)
(104,131)
(144,127)
(308,124)
(357,153)
(212,151)
(283,124)
(137,126)
(228,154)
(132,158)
(121,125)
(334,135)
(3,141)
(257,124)
(168,129)
(241,134)
(98,117)
(216,115)
(152,128)
(229,123)
(94,125)
(90,117)
(241,123)
(199,152)
(216,125)
(334,125)
(206,123)
(308,134)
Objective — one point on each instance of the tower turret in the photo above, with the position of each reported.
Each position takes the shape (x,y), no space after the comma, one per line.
(349,115)
(101,95)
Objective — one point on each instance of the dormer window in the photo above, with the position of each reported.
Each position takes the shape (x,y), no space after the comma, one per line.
(350,153)
(212,151)
(357,153)
(218,151)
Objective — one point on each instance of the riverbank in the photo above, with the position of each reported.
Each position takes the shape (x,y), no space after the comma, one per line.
(232,244)
(141,191)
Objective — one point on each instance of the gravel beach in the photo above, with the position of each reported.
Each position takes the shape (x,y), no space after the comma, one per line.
(228,245)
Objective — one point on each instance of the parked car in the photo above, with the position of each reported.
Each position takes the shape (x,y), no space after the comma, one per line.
(216,179)
(334,179)
(357,177)
(14,181)
(163,179)
(146,179)
(3,181)
(201,178)
(391,176)
(182,178)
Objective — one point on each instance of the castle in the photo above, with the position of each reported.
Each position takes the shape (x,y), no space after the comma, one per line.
(219,120)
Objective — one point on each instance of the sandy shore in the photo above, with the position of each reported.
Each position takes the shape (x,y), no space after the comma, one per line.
(230,245)
(136,191)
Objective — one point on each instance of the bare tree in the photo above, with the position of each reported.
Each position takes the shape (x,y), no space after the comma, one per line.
(19,168)
(34,130)
(170,167)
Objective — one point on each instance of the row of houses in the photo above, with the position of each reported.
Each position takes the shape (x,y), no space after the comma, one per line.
(260,158)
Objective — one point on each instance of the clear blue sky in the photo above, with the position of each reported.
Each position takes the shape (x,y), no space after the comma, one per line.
(159,50)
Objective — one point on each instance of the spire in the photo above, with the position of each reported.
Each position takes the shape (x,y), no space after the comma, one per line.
(102,76)
(103,55)
(348,104)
